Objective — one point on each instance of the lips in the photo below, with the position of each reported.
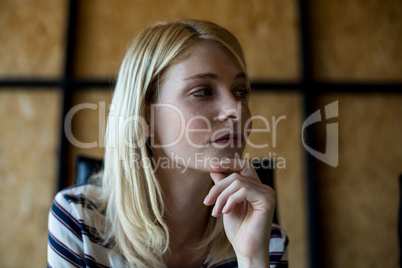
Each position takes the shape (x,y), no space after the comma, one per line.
(229,138)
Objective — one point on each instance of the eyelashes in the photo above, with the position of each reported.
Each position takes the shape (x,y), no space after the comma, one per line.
(243,93)
(204,92)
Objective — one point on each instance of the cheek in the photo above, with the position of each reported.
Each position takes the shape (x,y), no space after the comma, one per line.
(197,128)
(167,125)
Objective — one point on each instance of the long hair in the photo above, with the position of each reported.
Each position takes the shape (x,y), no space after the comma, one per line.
(132,200)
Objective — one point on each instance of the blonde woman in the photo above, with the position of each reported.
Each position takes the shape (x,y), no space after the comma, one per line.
(174,191)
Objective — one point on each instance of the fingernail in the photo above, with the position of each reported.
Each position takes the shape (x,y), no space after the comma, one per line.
(206,199)
(214,211)
(224,209)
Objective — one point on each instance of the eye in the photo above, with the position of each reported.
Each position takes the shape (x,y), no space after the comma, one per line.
(242,93)
(203,92)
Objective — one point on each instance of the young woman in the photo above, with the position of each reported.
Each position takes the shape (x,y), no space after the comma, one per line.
(174,191)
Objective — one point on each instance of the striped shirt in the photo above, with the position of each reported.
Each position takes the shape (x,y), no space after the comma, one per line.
(74,242)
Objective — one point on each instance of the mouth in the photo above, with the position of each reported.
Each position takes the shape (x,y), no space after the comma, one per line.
(230,138)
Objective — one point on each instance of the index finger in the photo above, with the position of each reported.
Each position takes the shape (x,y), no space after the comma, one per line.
(217,176)
(243,166)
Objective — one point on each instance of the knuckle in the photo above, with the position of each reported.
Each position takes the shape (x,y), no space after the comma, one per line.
(219,199)
(243,190)
(268,188)
(236,182)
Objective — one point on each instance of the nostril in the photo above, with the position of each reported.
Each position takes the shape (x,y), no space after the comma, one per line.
(227,117)
(231,117)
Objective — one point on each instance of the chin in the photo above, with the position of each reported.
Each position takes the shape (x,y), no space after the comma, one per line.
(229,152)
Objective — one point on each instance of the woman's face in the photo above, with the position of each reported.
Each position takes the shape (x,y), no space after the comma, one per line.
(201,111)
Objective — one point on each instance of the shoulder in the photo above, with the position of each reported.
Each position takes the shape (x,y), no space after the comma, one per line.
(74,203)
(72,237)
(75,209)
(78,194)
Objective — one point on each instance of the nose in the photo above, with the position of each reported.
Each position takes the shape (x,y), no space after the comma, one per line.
(230,108)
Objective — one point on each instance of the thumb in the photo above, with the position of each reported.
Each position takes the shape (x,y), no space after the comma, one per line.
(217,176)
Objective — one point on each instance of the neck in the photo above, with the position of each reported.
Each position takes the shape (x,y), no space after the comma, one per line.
(184,192)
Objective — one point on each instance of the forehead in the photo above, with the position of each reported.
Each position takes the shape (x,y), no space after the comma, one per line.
(204,58)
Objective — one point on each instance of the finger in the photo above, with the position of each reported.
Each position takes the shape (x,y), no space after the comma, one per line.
(233,200)
(221,182)
(224,195)
(258,200)
(243,166)
(217,176)
(224,183)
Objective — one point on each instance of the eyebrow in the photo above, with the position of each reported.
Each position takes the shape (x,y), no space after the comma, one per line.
(212,76)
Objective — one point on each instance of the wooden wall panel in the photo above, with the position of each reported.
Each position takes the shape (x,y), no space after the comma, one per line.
(357,40)
(358,200)
(285,148)
(29,132)
(32,38)
(88,125)
(352,40)
(267,31)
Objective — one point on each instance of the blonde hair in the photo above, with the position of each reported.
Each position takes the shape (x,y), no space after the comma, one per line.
(132,202)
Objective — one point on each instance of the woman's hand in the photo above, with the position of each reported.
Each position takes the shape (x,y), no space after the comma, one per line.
(247,206)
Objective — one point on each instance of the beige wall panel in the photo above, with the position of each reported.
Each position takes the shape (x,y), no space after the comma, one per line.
(32,38)
(267,31)
(357,40)
(358,200)
(88,125)
(284,146)
(29,132)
